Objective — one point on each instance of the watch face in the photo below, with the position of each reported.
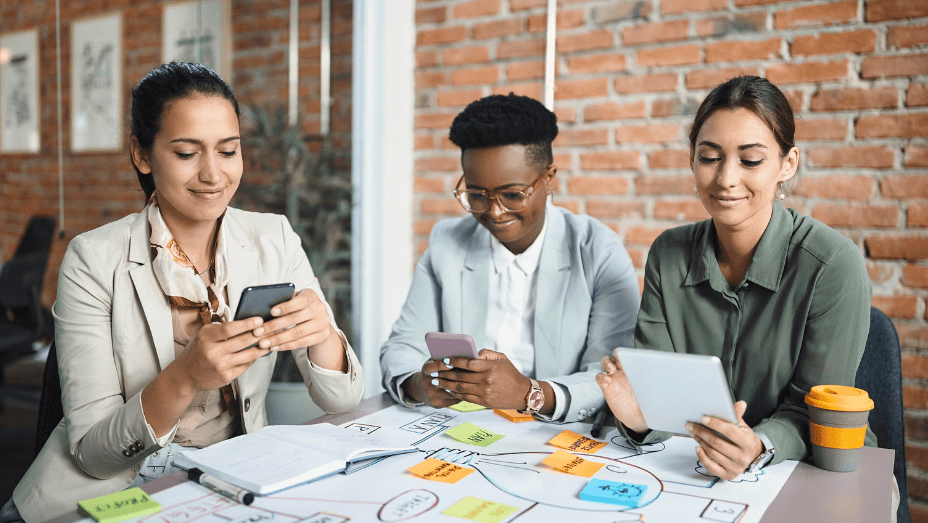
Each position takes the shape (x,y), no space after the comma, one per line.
(535,399)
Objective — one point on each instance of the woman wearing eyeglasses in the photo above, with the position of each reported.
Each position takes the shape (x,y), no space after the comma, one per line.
(544,292)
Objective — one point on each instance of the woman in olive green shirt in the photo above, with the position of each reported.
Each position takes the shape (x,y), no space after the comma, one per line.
(779,297)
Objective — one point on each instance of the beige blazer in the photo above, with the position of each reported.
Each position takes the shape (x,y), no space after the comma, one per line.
(114,335)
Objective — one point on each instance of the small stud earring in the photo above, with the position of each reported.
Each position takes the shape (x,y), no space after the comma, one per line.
(695,189)
(781,192)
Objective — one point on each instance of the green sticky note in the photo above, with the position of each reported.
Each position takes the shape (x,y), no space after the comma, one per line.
(470,433)
(466,406)
(476,509)
(120,506)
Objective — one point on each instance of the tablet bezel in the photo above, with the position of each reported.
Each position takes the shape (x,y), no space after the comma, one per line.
(673,388)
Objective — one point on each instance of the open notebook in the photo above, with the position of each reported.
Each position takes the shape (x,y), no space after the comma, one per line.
(281,456)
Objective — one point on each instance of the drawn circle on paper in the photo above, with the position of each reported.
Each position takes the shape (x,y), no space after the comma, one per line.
(408,505)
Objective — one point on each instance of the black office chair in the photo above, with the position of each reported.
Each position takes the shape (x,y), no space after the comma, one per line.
(50,409)
(38,236)
(22,317)
(880,374)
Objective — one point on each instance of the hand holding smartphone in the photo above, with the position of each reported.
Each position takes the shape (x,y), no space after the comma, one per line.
(260,299)
(448,345)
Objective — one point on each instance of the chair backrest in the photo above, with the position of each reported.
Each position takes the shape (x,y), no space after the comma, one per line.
(37,236)
(21,279)
(50,410)
(880,374)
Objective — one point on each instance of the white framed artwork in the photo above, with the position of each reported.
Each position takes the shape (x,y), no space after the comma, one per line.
(19,92)
(199,31)
(96,84)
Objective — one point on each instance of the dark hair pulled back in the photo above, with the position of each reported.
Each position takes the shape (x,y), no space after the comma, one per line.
(759,96)
(154,94)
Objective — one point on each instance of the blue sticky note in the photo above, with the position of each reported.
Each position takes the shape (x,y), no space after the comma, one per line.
(615,493)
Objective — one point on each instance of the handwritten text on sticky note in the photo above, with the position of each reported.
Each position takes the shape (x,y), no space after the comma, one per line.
(474,435)
(438,470)
(120,506)
(571,464)
(613,492)
(476,509)
(574,442)
(466,406)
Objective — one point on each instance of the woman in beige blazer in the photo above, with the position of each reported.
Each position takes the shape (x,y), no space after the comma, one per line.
(133,380)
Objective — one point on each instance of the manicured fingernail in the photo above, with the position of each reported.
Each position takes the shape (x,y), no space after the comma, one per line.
(689,427)
(259,331)
(705,420)
(446,361)
(275,348)
(258,321)
(434,374)
(698,448)
(264,344)
(275,311)
(435,382)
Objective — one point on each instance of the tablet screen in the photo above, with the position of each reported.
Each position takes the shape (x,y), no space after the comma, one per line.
(673,389)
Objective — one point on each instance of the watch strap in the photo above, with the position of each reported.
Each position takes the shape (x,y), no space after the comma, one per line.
(535,388)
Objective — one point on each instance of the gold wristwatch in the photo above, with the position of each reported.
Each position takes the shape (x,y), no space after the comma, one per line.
(534,400)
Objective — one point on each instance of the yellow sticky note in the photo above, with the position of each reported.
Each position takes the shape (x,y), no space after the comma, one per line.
(474,435)
(466,406)
(567,462)
(513,415)
(574,442)
(438,470)
(476,509)
(120,506)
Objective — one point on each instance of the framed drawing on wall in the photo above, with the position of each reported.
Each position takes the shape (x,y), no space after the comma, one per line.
(96,83)
(19,92)
(199,31)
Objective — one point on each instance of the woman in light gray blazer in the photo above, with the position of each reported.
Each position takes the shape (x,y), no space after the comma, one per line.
(545,292)
(149,357)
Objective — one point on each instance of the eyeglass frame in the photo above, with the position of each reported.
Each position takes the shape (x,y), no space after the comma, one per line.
(494,194)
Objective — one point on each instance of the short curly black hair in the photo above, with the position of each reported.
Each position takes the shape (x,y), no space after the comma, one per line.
(506,120)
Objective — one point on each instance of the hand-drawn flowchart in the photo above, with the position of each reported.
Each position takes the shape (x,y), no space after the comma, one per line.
(663,483)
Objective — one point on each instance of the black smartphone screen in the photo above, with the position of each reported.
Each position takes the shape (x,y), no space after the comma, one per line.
(258,300)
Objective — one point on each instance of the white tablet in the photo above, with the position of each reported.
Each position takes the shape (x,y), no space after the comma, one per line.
(673,388)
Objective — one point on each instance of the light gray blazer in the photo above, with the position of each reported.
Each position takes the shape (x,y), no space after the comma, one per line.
(587,302)
(114,335)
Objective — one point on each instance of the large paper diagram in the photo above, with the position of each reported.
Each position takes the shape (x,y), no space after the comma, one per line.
(665,483)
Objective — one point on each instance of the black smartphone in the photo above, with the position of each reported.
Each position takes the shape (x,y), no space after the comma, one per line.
(259,300)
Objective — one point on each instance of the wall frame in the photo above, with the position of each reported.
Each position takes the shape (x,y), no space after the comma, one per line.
(199,31)
(19,92)
(96,83)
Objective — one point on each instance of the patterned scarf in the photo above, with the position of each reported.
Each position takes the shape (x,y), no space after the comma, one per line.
(183,286)
(178,277)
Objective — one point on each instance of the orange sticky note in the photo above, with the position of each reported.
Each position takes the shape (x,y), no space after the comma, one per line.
(438,470)
(514,416)
(572,441)
(567,462)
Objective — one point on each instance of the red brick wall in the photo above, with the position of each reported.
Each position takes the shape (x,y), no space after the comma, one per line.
(100,188)
(630,75)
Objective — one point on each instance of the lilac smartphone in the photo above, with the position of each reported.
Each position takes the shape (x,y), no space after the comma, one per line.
(447,345)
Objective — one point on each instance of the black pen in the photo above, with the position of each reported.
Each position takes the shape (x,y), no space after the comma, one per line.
(217,485)
(598,422)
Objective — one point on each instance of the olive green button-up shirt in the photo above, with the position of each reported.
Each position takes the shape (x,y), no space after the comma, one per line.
(800,318)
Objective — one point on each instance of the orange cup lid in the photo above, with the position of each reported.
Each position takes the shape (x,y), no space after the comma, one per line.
(839,397)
